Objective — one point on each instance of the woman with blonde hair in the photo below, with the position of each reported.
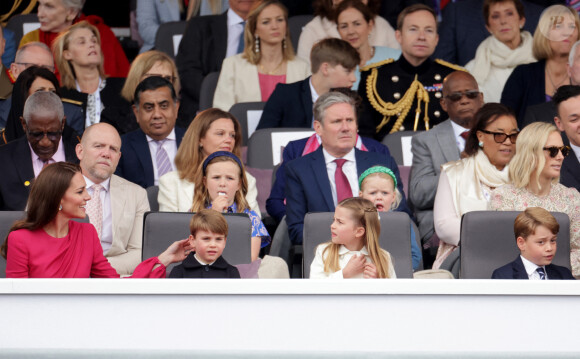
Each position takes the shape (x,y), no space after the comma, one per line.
(535,83)
(267,60)
(534,175)
(79,59)
(212,130)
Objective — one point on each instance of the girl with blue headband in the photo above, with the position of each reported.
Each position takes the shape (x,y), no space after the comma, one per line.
(223,187)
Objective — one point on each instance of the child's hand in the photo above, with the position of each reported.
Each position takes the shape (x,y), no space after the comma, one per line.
(370,271)
(354,266)
(220,203)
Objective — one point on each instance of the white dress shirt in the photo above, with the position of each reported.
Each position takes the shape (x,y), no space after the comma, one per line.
(458,130)
(107,232)
(349,169)
(531,269)
(575,151)
(170,146)
(235,30)
(314,96)
(38,164)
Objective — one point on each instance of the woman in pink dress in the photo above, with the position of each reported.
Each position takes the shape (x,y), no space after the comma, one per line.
(47,244)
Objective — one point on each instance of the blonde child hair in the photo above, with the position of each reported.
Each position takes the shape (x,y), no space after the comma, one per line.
(365,214)
(386,173)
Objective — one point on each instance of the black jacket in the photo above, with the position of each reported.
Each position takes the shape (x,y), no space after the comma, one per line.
(191,268)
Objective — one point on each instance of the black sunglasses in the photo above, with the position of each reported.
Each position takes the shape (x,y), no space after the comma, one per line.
(553,150)
(500,137)
(456,96)
(53,136)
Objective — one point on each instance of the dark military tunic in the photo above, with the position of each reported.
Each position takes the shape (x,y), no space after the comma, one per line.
(389,86)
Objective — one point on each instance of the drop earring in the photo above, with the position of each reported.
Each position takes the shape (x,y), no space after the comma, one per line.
(60,207)
(480,144)
(257,47)
(284,43)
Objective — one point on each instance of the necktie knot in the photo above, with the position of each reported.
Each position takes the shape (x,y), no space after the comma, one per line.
(96,188)
(343,189)
(464,135)
(340,162)
(541,272)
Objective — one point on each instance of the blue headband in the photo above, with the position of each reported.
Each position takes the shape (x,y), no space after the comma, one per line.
(377,169)
(221,154)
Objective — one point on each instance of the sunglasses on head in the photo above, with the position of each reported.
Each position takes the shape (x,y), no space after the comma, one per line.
(456,96)
(500,137)
(553,150)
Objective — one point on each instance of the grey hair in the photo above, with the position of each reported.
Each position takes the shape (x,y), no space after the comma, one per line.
(22,50)
(74,4)
(43,102)
(329,99)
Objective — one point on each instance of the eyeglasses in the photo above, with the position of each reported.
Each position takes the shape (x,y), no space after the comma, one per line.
(500,137)
(38,136)
(28,64)
(456,96)
(167,77)
(553,150)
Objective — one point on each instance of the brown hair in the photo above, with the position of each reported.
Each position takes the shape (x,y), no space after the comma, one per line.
(324,8)
(139,67)
(365,214)
(189,156)
(531,218)
(250,29)
(335,52)
(45,196)
(208,220)
(354,4)
(201,197)
(488,3)
(411,9)
(482,118)
(62,43)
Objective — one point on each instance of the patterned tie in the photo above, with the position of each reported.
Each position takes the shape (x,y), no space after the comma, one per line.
(95,209)
(241,44)
(541,272)
(163,162)
(343,189)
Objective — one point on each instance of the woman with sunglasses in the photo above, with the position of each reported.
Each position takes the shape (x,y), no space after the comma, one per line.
(466,185)
(534,174)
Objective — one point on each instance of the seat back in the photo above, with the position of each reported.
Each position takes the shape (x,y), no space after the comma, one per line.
(265,145)
(160,229)
(152,193)
(487,242)
(22,24)
(208,86)
(399,144)
(169,36)
(395,238)
(7,219)
(295,24)
(248,120)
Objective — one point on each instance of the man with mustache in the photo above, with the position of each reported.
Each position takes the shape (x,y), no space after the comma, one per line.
(117,206)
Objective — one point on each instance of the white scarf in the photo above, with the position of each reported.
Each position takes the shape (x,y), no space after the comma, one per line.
(494,53)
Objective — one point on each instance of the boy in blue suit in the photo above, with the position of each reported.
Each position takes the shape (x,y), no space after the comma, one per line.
(535,230)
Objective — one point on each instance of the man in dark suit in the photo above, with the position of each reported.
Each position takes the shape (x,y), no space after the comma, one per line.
(321,179)
(207,41)
(463,29)
(43,122)
(567,101)
(149,152)
(333,62)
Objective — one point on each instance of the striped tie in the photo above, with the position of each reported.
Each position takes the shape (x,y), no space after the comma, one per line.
(541,272)
(163,162)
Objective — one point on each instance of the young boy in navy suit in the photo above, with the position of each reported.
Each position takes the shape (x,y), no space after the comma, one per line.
(535,230)
(209,231)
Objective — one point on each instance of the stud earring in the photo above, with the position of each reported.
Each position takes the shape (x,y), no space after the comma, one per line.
(480,144)
(257,47)
(284,43)
(60,207)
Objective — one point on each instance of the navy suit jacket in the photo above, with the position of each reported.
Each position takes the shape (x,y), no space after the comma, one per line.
(570,172)
(308,187)
(516,270)
(290,105)
(136,164)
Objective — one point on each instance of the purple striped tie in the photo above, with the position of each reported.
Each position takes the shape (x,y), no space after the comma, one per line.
(163,162)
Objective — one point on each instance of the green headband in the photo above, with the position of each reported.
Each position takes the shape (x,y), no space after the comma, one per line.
(377,169)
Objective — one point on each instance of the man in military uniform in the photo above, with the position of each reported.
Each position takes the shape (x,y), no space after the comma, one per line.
(404,94)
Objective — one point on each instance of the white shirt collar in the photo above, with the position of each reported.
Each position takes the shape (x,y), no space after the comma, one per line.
(530,267)
(106,183)
(458,130)
(313,92)
(170,136)
(576,151)
(233,18)
(329,158)
(203,263)
(343,250)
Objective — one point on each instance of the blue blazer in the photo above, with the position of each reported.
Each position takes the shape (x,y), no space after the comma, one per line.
(516,270)
(308,188)
(570,172)
(290,105)
(136,164)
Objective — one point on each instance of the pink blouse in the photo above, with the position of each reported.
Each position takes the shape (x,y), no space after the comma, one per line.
(36,254)
(268,84)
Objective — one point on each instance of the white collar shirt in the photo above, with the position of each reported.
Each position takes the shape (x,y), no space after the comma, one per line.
(235,30)
(458,130)
(349,169)
(531,269)
(314,95)
(170,146)
(575,151)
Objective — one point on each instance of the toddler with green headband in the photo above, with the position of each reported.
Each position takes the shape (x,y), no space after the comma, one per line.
(378,184)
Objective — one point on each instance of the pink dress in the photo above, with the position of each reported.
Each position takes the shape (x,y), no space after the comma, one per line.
(268,84)
(36,254)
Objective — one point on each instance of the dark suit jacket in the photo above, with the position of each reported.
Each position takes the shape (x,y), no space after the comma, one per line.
(201,51)
(308,188)
(136,164)
(570,171)
(516,270)
(542,112)
(290,105)
(463,29)
(191,268)
(525,87)
(18,172)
